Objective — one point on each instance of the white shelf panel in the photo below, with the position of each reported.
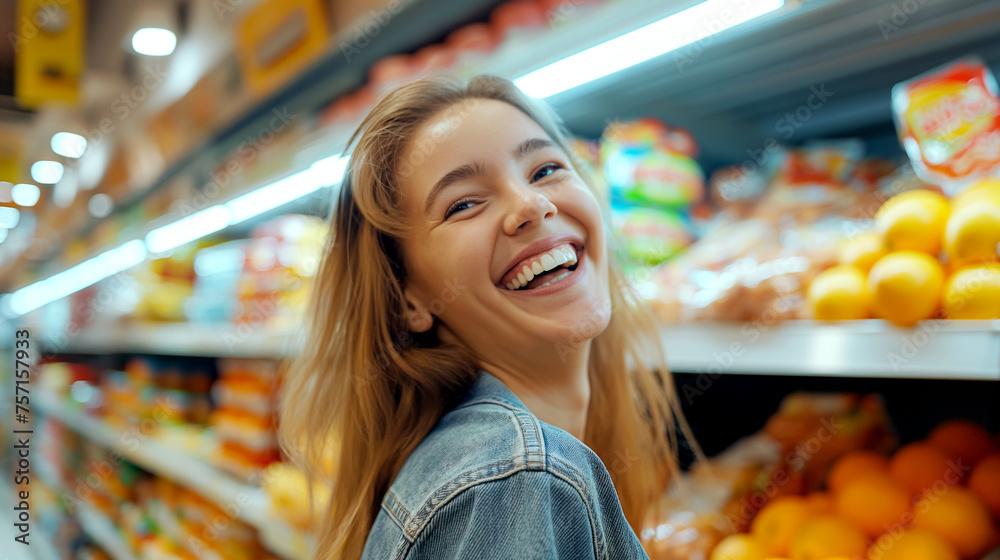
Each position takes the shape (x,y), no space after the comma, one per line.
(103,532)
(250,503)
(931,350)
(178,339)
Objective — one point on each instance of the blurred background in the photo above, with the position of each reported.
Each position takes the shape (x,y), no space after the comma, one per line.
(807,193)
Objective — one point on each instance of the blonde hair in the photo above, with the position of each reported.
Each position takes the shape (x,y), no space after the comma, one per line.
(368,391)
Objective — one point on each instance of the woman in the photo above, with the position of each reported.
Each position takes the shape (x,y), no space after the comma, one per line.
(477,363)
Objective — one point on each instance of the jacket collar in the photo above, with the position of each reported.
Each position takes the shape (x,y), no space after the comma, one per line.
(488,388)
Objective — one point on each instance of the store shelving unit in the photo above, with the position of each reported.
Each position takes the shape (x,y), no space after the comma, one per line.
(249,503)
(968,350)
(95,524)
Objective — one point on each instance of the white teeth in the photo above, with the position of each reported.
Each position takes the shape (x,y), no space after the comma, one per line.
(548,263)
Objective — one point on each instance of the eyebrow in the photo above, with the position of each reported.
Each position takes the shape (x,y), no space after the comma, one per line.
(478,169)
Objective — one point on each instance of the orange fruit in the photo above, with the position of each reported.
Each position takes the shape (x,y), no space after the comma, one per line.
(739,547)
(973,292)
(973,231)
(828,535)
(819,503)
(985,482)
(913,221)
(958,517)
(962,440)
(905,287)
(776,524)
(862,251)
(838,294)
(855,463)
(920,466)
(874,502)
(912,544)
(985,190)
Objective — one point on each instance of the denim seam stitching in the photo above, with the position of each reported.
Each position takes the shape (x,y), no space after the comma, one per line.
(391,509)
(575,479)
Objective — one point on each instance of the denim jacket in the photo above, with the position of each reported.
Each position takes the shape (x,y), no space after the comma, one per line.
(492,482)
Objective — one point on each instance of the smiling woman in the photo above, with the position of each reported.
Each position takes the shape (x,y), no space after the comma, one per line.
(476,358)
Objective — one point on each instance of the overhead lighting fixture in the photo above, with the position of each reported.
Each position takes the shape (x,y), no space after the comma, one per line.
(645,43)
(100,205)
(68,144)
(9,217)
(154,41)
(74,279)
(25,194)
(46,172)
(187,229)
(325,172)
(5,191)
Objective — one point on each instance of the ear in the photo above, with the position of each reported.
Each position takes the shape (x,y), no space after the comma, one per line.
(418,316)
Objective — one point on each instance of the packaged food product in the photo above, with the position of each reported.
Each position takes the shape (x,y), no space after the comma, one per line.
(948,121)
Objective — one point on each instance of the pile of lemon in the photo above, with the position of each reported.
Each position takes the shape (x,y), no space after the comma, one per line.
(926,255)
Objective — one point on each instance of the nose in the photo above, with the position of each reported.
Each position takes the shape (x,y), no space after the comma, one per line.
(527,206)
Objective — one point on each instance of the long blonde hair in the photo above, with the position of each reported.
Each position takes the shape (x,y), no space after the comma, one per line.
(368,391)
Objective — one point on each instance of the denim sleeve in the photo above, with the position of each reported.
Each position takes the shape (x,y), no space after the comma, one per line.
(530,515)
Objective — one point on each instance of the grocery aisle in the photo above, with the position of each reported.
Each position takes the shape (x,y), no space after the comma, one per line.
(805,194)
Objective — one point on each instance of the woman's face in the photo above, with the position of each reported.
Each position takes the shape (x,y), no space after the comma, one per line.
(507,246)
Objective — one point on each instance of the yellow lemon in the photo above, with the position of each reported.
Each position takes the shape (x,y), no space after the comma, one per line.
(987,189)
(838,294)
(905,287)
(913,221)
(739,547)
(862,251)
(973,292)
(973,231)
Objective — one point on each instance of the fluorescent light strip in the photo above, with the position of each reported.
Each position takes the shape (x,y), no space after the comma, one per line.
(187,229)
(74,279)
(325,172)
(643,44)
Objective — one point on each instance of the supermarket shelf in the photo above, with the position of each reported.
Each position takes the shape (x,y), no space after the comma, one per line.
(166,461)
(177,339)
(103,531)
(932,350)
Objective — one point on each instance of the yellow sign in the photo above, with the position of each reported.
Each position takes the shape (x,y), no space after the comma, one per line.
(48,46)
(277,39)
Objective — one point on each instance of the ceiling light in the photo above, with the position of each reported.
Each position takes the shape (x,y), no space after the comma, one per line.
(100,205)
(187,229)
(9,217)
(68,144)
(638,46)
(74,279)
(25,194)
(154,41)
(47,172)
(325,172)
(5,191)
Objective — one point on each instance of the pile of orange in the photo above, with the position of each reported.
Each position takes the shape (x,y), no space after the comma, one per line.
(936,499)
(926,256)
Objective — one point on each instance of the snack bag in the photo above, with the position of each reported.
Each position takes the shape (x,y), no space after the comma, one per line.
(948,121)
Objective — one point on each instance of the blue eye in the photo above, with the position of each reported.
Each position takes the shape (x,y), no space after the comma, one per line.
(458,206)
(546,170)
